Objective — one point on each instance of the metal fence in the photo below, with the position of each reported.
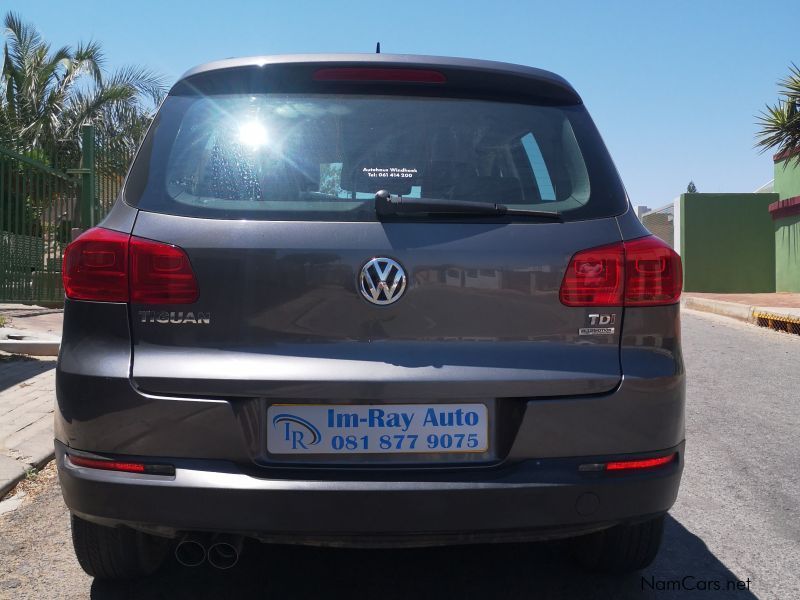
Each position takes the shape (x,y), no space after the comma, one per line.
(111,160)
(45,194)
(661,223)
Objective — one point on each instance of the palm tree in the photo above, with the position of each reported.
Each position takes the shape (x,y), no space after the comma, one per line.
(46,95)
(780,124)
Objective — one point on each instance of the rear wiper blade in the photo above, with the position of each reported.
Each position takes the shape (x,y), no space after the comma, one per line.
(387,204)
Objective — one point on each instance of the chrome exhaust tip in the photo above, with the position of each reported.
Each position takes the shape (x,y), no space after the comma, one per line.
(190,552)
(223,553)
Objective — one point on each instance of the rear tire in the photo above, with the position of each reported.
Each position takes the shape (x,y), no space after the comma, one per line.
(620,549)
(116,553)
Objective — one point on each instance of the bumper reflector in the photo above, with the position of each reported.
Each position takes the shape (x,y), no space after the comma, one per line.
(126,467)
(646,463)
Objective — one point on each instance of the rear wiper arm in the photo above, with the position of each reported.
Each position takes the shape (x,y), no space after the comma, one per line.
(387,204)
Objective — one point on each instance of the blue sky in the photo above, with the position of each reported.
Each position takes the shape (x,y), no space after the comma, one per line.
(673,86)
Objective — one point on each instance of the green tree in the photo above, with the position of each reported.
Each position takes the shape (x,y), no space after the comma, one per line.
(47,94)
(691,188)
(780,123)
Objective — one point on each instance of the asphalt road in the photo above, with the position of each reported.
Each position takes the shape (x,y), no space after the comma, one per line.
(737,515)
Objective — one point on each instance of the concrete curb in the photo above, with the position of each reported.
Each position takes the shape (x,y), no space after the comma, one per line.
(31,347)
(786,317)
(13,471)
(734,310)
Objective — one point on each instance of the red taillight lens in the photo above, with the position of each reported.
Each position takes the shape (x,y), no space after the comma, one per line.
(366,74)
(647,463)
(124,466)
(107,465)
(96,266)
(594,277)
(653,273)
(108,266)
(641,272)
(161,274)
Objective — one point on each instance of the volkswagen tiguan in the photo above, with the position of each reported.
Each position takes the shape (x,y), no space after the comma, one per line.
(368,300)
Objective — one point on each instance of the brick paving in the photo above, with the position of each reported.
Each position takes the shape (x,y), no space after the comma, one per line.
(27,397)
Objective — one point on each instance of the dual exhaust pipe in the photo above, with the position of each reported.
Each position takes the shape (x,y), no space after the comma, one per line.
(221,551)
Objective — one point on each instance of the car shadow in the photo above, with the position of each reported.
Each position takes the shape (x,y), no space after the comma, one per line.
(540,570)
(16,368)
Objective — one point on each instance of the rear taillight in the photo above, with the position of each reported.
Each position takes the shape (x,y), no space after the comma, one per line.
(644,463)
(653,273)
(371,74)
(108,266)
(641,272)
(594,277)
(96,266)
(635,464)
(160,274)
(106,465)
(116,465)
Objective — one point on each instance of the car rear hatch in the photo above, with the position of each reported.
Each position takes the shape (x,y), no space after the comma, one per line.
(265,176)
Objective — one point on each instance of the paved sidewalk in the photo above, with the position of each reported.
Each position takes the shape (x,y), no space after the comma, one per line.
(28,329)
(743,306)
(775,299)
(27,396)
(38,320)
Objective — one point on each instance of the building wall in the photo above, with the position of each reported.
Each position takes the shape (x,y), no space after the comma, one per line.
(727,242)
(661,223)
(787,178)
(787,226)
(787,254)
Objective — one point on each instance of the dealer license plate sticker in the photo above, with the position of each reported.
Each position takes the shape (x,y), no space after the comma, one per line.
(377,429)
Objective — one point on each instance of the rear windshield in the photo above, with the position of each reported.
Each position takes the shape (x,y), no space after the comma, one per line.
(323,157)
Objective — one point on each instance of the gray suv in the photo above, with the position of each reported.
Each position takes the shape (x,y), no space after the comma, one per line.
(369,300)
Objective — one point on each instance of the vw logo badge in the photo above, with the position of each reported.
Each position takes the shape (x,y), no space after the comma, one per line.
(382,281)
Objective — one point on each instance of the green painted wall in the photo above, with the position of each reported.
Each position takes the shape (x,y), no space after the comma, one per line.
(727,243)
(787,254)
(787,178)
(787,230)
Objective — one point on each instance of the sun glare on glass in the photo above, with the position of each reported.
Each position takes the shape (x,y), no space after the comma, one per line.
(252,134)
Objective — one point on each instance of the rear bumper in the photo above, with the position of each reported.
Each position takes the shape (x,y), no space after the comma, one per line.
(532,499)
